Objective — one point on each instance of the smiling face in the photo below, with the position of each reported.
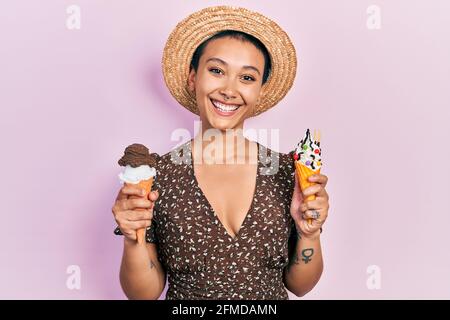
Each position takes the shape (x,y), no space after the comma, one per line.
(228,82)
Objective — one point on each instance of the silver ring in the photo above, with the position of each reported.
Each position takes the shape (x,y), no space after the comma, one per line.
(315,214)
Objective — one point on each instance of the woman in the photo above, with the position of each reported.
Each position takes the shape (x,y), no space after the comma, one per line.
(228,224)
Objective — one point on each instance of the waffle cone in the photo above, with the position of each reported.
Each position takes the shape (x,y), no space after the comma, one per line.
(147,186)
(303,173)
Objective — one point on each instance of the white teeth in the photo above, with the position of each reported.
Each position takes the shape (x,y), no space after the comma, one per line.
(223,107)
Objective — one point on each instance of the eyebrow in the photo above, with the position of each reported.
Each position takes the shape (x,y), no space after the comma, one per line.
(226,64)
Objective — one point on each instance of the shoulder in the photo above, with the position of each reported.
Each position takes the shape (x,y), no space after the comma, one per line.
(173,165)
(278,171)
(278,164)
(178,156)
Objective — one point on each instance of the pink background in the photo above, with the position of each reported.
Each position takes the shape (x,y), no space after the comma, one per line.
(71,100)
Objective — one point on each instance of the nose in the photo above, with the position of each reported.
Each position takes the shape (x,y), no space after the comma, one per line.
(228,92)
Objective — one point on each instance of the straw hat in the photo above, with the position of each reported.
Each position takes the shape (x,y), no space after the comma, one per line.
(203,24)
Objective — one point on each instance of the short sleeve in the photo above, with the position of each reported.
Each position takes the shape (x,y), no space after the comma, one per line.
(287,177)
(151,235)
(289,184)
(290,170)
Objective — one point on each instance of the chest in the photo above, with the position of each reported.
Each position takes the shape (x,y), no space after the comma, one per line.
(229,190)
(203,222)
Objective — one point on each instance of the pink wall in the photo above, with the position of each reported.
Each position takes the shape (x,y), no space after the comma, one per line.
(71,100)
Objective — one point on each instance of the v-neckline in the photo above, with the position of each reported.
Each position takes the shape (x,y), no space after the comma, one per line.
(208,204)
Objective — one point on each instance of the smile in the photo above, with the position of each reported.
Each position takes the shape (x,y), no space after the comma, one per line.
(224,109)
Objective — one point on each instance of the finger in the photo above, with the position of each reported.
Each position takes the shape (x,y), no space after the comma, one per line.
(130,234)
(121,195)
(132,204)
(303,207)
(316,204)
(319,178)
(316,189)
(322,193)
(116,208)
(314,214)
(153,196)
(309,228)
(128,229)
(135,225)
(136,215)
(133,190)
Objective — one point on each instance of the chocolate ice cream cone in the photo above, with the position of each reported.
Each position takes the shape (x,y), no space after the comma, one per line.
(139,171)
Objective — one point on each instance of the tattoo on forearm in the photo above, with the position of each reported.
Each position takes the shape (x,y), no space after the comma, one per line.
(306,256)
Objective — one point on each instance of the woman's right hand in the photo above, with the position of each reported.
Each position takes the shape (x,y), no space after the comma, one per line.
(133,210)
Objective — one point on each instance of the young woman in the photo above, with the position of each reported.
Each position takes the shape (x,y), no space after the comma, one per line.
(228,224)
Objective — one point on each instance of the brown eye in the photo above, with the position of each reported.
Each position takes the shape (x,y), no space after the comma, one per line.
(215,70)
(249,78)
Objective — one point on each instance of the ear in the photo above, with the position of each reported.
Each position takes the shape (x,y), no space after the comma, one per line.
(191,80)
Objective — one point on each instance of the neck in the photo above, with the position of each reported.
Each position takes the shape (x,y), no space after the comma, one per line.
(223,147)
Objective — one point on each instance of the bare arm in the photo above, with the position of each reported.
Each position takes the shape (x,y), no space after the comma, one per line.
(305,265)
(141,274)
(305,253)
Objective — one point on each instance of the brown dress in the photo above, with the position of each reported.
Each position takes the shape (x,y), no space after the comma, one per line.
(202,260)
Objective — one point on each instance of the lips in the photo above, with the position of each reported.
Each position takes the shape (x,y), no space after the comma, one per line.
(224,109)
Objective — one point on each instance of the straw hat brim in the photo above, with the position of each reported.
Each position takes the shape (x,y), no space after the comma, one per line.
(201,25)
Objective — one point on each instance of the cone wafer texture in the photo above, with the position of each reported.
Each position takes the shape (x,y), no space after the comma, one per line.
(147,186)
(303,173)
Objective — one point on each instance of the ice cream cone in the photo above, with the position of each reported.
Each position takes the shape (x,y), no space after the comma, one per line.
(303,173)
(147,186)
(308,161)
(139,171)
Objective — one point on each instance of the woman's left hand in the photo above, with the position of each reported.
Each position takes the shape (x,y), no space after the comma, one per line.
(317,210)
